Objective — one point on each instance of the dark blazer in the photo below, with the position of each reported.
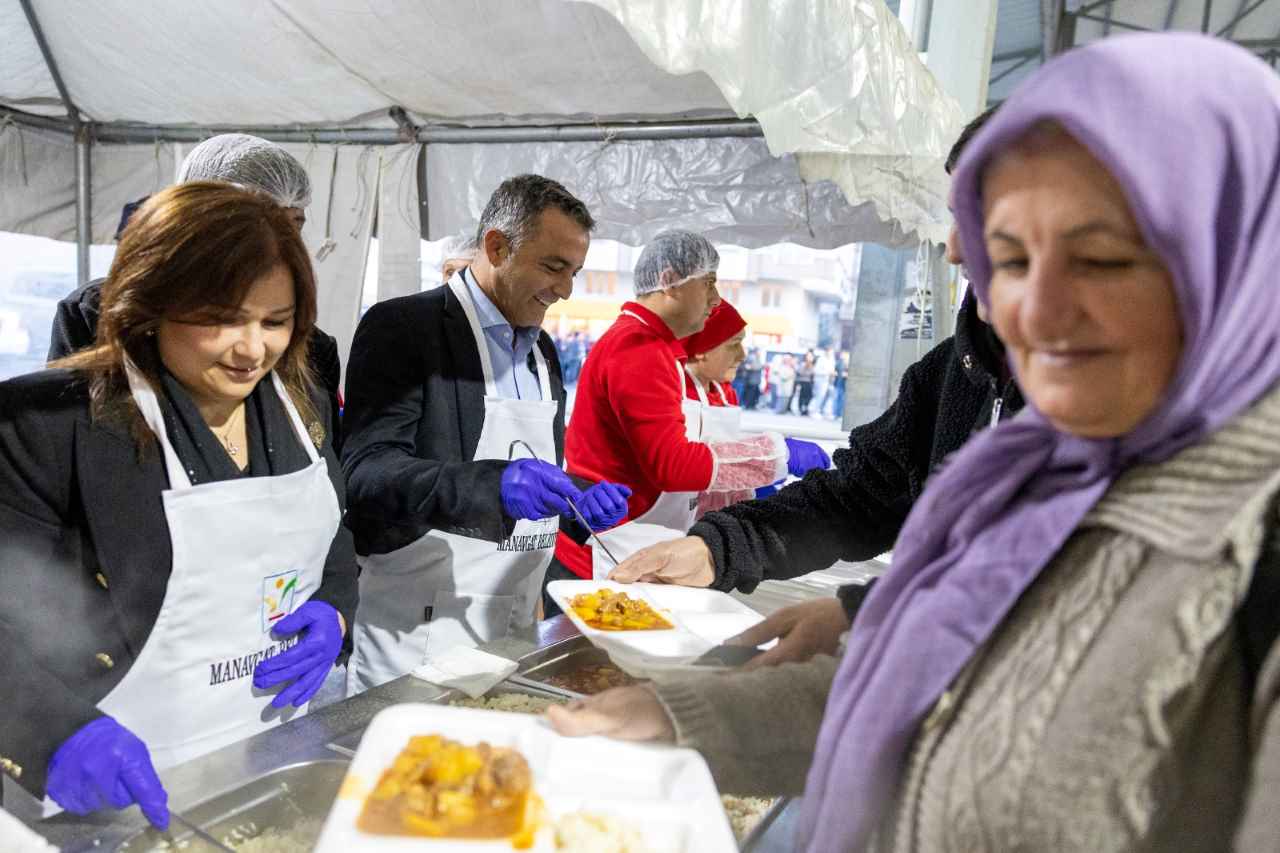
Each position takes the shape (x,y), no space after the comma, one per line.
(415,408)
(85,557)
(75,326)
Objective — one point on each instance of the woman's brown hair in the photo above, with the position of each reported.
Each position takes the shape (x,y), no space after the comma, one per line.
(191,253)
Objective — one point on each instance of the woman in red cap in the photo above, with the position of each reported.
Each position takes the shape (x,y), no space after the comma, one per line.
(714,355)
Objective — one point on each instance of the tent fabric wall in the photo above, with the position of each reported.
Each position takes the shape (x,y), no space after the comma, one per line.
(344,188)
(27,82)
(246,63)
(731,190)
(836,82)
(399,241)
(37,172)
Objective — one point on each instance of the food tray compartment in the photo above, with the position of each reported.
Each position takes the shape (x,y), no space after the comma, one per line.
(702,619)
(280,811)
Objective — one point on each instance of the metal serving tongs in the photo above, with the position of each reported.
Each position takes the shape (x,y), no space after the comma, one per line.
(577,513)
(199,833)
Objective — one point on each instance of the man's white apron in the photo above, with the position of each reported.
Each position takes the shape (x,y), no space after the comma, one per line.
(445,590)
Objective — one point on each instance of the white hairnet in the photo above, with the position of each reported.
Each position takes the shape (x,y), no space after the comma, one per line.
(237,158)
(458,246)
(672,258)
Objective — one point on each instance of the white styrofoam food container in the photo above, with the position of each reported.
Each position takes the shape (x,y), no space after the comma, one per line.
(664,792)
(702,619)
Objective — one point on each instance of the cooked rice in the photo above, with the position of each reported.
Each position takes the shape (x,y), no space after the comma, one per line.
(744,812)
(516,703)
(588,832)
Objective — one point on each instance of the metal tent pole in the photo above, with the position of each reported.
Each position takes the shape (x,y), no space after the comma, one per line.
(84,142)
(84,203)
(439,135)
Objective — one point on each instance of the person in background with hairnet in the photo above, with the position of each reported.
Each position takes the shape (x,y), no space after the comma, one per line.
(459,252)
(231,158)
(632,424)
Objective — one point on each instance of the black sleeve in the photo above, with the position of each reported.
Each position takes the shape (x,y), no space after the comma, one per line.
(338,588)
(1259,622)
(327,367)
(71,331)
(852,595)
(39,710)
(387,482)
(850,512)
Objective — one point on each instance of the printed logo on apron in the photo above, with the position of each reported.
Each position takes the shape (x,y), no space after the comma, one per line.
(277,597)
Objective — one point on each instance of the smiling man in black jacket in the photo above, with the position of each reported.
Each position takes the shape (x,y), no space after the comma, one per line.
(854,510)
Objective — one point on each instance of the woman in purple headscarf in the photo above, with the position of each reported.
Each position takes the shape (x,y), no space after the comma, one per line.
(1073,650)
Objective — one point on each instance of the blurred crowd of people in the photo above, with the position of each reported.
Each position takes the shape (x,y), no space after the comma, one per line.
(811,384)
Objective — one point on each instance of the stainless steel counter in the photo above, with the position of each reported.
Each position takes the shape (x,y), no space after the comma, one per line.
(301,740)
(326,735)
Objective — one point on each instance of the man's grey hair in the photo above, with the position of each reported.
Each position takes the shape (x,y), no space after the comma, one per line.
(514,207)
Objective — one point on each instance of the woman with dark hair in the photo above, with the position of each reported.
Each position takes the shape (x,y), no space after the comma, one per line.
(173,574)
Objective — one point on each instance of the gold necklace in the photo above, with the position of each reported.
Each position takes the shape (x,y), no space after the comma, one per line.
(225,437)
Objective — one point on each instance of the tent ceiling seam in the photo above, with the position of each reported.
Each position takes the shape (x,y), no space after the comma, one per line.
(73,112)
(279,7)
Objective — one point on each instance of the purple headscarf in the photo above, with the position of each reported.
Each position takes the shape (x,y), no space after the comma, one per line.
(1190,128)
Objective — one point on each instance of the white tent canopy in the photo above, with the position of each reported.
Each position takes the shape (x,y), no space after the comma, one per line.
(703,114)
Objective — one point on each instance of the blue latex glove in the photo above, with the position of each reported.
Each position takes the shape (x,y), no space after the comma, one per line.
(604,504)
(804,456)
(766,491)
(306,663)
(106,765)
(535,489)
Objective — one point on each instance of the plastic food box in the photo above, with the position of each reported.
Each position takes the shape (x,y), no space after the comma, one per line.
(702,619)
(665,793)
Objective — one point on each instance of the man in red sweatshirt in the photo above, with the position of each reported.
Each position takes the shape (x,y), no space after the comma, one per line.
(632,424)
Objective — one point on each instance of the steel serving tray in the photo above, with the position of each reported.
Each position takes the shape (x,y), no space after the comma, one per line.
(290,802)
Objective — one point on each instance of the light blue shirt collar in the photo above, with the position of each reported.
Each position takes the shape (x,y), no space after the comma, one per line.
(488,313)
(509,353)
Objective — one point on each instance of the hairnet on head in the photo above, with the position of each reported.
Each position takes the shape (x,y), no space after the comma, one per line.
(248,161)
(458,246)
(672,258)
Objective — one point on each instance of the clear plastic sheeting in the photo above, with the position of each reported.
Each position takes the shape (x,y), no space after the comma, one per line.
(672,258)
(747,463)
(248,161)
(714,501)
(728,190)
(836,82)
